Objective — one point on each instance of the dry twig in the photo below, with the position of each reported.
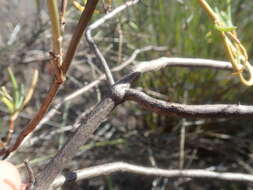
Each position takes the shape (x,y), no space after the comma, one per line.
(107,169)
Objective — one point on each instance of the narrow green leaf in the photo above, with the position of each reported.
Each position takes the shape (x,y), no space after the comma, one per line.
(226,28)
(21,97)
(8,104)
(133,25)
(5,93)
(14,83)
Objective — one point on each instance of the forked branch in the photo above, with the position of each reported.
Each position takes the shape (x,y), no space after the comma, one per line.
(83,22)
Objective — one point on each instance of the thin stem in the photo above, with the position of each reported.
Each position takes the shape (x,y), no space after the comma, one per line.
(101,58)
(55,20)
(92,43)
(57,38)
(64,4)
(208,9)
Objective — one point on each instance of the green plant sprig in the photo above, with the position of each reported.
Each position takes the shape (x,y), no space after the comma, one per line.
(16,100)
(237,53)
(13,101)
